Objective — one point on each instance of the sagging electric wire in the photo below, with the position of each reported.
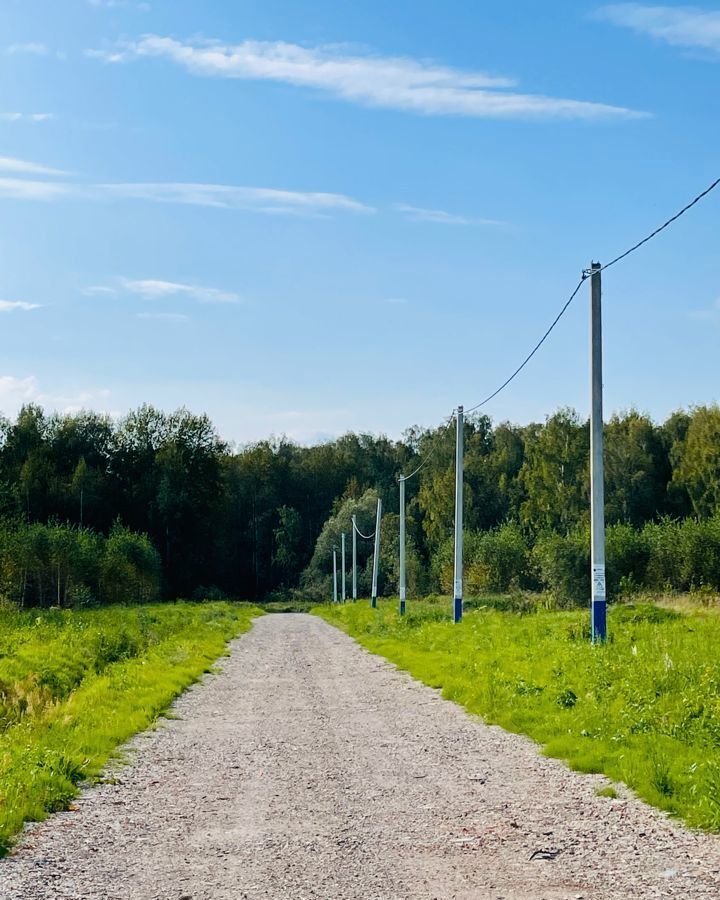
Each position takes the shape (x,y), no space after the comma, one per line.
(365,537)
(585,275)
(448,421)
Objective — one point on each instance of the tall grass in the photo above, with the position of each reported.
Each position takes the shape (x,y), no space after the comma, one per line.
(76,685)
(643,709)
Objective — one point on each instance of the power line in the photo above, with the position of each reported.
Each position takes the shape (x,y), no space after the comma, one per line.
(430,455)
(366,537)
(585,274)
(662,227)
(532,352)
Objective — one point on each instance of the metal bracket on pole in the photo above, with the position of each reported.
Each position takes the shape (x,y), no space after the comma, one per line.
(376,555)
(598,600)
(402,545)
(458,569)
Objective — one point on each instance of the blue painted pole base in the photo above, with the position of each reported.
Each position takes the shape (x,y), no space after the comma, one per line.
(373,602)
(457,609)
(402,607)
(598,621)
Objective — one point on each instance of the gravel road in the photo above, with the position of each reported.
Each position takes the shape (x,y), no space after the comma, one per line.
(310,769)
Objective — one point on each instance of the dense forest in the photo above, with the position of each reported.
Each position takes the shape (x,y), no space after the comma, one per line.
(164,495)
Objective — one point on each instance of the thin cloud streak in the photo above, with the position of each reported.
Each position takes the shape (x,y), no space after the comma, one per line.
(26,117)
(383,82)
(269,201)
(23,189)
(154,289)
(32,48)
(440,216)
(686,26)
(266,200)
(7,306)
(23,167)
(707,315)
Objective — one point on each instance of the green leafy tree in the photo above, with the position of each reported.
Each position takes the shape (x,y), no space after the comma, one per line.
(555,473)
(698,470)
(636,469)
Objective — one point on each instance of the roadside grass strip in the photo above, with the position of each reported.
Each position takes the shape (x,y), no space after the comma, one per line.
(644,709)
(75,685)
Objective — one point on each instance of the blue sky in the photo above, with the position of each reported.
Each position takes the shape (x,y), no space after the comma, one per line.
(310,217)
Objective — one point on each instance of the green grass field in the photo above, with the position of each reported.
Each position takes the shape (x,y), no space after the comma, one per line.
(76,685)
(643,709)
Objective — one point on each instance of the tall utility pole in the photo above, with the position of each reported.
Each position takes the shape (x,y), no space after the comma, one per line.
(402,545)
(342,557)
(598,617)
(376,555)
(458,579)
(334,574)
(354,574)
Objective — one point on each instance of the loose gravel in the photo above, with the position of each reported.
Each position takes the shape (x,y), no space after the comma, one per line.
(308,768)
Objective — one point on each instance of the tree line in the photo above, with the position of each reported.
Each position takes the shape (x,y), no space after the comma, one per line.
(248,521)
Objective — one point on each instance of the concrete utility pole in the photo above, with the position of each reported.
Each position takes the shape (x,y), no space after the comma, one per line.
(354,572)
(342,557)
(402,545)
(597,477)
(376,555)
(334,574)
(458,579)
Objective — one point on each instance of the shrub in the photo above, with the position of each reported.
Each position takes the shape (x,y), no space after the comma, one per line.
(130,571)
(664,568)
(700,553)
(627,553)
(499,560)
(563,563)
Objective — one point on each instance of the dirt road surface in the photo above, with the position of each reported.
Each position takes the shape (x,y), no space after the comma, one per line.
(310,769)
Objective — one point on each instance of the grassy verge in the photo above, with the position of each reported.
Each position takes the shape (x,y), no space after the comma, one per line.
(75,685)
(643,709)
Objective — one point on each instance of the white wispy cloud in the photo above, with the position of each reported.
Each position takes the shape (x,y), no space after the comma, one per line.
(440,216)
(379,81)
(26,117)
(14,305)
(23,167)
(95,290)
(681,26)
(265,200)
(270,201)
(34,48)
(26,189)
(163,317)
(707,315)
(154,289)
(16,392)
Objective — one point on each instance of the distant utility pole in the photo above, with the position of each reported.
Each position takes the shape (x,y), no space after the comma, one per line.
(402,545)
(458,579)
(376,555)
(342,555)
(334,574)
(354,572)
(597,478)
